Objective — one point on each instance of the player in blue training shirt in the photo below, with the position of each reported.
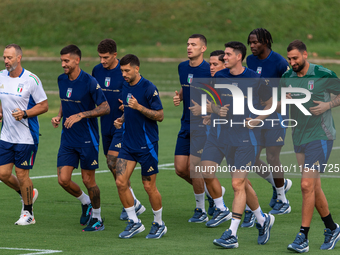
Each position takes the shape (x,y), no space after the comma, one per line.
(79,94)
(270,65)
(191,139)
(239,140)
(109,77)
(142,110)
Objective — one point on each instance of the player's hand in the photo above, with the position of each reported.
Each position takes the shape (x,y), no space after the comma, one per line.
(17,114)
(72,119)
(289,96)
(176,99)
(133,103)
(224,110)
(121,107)
(196,109)
(206,119)
(253,124)
(55,121)
(118,122)
(320,108)
(209,106)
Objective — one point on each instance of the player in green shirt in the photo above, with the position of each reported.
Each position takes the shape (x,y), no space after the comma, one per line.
(313,138)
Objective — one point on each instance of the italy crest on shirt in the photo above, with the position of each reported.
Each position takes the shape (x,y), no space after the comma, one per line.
(69,92)
(190,77)
(259,70)
(107,81)
(129,95)
(20,87)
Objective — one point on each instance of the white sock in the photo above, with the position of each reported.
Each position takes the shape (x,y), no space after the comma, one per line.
(131,214)
(270,179)
(84,199)
(96,213)
(260,217)
(281,194)
(157,216)
(133,194)
(248,208)
(206,190)
(200,201)
(219,203)
(223,190)
(234,226)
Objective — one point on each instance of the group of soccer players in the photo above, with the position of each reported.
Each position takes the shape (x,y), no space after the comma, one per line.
(241,145)
(129,108)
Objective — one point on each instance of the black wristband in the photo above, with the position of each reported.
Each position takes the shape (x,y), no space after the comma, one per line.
(25,115)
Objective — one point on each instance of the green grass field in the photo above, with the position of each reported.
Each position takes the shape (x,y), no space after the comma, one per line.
(57,213)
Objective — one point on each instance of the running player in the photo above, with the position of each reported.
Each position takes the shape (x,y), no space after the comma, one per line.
(269,64)
(110,78)
(79,94)
(22,99)
(191,139)
(142,110)
(312,138)
(239,144)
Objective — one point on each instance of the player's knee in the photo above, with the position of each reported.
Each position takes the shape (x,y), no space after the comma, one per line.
(272,158)
(22,175)
(181,171)
(63,182)
(5,175)
(306,186)
(89,182)
(122,184)
(238,184)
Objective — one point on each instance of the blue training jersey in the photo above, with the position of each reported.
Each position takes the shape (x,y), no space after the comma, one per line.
(80,95)
(274,66)
(234,133)
(140,132)
(111,82)
(186,75)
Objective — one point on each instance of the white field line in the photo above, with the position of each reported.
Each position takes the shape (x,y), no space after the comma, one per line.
(169,166)
(35,251)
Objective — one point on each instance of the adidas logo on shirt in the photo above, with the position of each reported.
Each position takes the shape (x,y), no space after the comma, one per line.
(94,163)
(279,139)
(156,93)
(118,145)
(249,164)
(150,169)
(2,86)
(24,163)
(316,163)
(200,151)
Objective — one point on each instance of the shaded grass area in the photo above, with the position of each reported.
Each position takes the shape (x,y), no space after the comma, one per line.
(161,28)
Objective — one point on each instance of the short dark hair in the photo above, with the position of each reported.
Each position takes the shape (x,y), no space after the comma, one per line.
(201,37)
(71,49)
(130,59)
(219,54)
(17,48)
(263,36)
(237,46)
(297,44)
(107,45)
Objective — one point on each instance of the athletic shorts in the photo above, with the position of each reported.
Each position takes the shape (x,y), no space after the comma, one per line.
(190,143)
(241,157)
(70,156)
(212,151)
(316,154)
(22,155)
(147,159)
(273,137)
(112,143)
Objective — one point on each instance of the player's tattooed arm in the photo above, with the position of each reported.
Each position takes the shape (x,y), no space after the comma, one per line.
(335,102)
(157,115)
(100,110)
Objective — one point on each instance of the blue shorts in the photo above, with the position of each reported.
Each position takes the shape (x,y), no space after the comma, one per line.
(241,157)
(191,143)
(316,154)
(22,155)
(112,143)
(147,159)
(212,151)
(70,156)
(273,137)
